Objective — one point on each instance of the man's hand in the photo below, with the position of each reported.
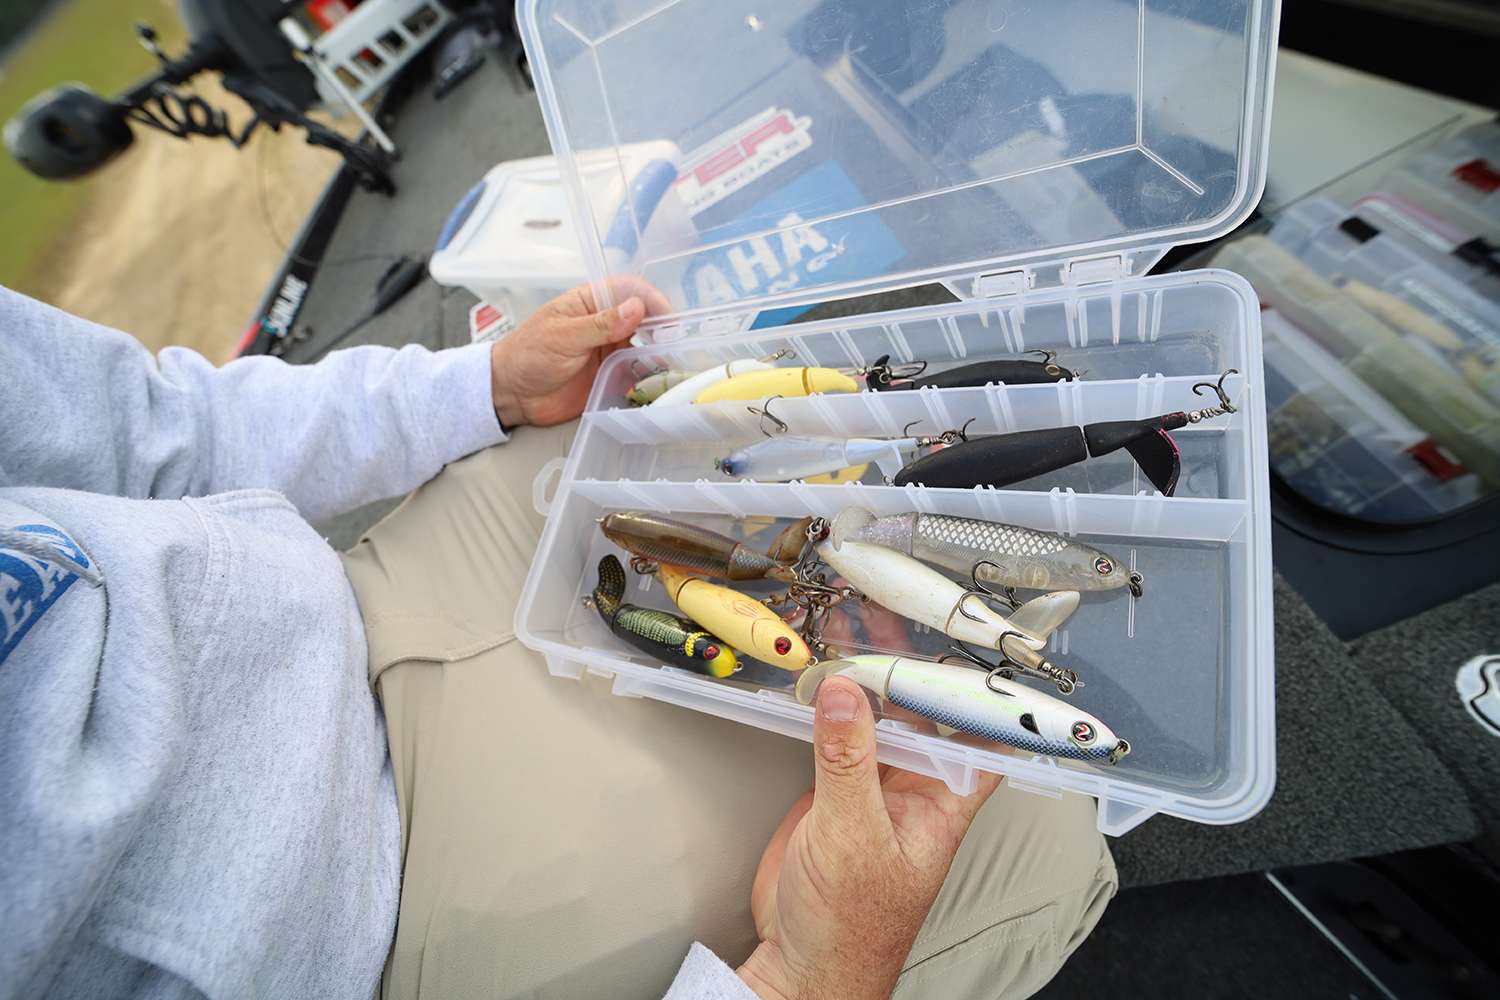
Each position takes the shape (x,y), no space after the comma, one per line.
(850,874)
(541,372)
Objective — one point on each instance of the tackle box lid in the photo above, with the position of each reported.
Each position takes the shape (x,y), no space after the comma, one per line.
(830,148)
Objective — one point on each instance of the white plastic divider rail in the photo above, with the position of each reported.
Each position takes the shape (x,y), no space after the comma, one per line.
(1186,670)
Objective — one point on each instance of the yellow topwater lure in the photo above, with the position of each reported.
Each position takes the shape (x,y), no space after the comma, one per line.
(740,621)
(778,382)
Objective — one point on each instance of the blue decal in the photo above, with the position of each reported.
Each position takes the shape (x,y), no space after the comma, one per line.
(29,585)
(844,249)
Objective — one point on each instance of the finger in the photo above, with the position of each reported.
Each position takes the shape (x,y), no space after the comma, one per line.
(846,786)
(581,334)
(581,300)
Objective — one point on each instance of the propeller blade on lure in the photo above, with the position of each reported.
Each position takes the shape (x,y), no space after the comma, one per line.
(916,591)
(1002,459)
(673,639)
(991,553)
(743,622)
(662,540)
(980,704)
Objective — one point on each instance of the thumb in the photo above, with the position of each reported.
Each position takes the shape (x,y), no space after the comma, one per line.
(609,326)
(846,786)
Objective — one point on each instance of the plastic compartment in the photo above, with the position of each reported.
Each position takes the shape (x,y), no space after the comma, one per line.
(1457,180)
(1185,673)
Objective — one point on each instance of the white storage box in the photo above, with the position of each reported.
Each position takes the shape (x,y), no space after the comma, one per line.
(512,242)
(1036,161)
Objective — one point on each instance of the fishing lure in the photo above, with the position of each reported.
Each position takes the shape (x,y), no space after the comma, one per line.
(1002,459)
(687,389)
(991,553)
(652,387)
(919,592)
(779,382)
(980,704)
(881,377)
(783,457)
(673,639)
(743,622)
(662,540)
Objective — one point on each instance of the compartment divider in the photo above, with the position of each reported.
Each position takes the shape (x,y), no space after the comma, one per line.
(1144,516)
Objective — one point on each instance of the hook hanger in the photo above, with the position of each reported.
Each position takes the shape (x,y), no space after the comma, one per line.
(763,411)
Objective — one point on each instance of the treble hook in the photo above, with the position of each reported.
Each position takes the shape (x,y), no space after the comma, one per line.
(1225,406)
(764,413)
(1066,680)
(1008,594)
(882,372)
(945,438)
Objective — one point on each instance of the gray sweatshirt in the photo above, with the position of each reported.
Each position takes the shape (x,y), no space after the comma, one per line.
(197,794)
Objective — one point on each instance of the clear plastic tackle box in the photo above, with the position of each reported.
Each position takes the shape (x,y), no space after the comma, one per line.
(1034,158)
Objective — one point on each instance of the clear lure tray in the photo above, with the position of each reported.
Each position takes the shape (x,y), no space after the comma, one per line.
(1184,672)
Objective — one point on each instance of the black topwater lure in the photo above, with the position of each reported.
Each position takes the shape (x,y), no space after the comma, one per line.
(882,377)
(1002,459)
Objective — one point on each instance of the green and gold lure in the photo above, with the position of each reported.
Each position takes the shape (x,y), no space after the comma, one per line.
(677,641)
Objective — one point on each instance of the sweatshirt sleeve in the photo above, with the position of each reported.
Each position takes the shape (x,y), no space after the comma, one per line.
(704,977)
(88,408)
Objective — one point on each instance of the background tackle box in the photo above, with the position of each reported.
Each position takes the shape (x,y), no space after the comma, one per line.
(1034,158)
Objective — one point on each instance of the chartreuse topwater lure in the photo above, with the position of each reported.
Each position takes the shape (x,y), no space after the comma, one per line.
(978,703)
(671,638)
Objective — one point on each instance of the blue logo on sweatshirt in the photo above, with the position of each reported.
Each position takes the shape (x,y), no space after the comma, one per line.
(29,583)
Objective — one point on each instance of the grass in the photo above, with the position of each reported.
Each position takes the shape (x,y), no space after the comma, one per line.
(92,42)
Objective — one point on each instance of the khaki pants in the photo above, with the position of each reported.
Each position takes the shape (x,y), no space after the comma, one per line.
(560,841)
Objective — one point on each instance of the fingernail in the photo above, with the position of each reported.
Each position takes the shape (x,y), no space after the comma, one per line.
(632,310)
(838,703)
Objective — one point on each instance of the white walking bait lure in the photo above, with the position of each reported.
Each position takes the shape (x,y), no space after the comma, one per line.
(978,703)
(917,591)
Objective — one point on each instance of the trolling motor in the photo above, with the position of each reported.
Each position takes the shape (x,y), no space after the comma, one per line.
(71,131)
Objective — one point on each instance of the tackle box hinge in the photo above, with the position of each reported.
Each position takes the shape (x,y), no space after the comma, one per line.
(1091,270)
